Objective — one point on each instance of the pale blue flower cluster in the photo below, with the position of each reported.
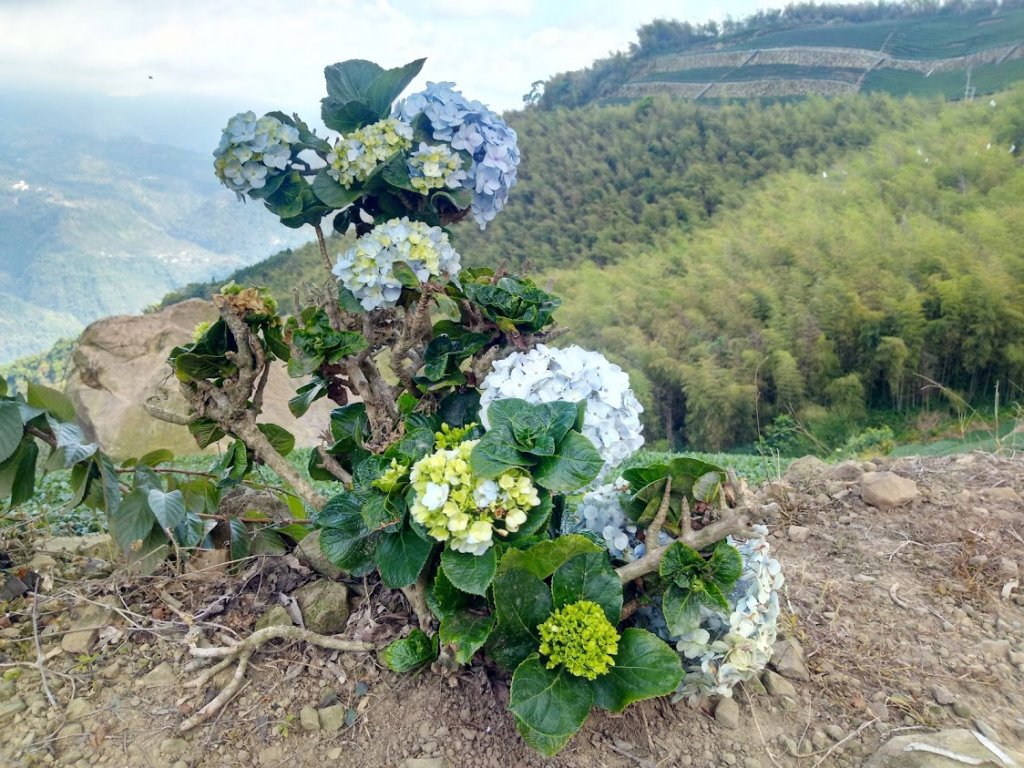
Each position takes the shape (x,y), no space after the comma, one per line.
(600,511)
(545,374)
(252,148)
(729,649)
(472,127)
(367,268)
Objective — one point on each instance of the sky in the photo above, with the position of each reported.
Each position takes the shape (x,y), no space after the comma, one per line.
(270,54)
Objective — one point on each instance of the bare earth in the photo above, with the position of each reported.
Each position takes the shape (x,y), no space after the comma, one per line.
(910,620)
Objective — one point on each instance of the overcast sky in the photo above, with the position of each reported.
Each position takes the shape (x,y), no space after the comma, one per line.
(271,53)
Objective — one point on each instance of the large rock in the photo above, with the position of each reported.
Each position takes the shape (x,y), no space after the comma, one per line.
(805,470)
(959,741)
(887,490)
(324,606)
(120,362)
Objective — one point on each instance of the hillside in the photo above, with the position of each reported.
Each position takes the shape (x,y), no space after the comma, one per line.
(95,227)
(957,51)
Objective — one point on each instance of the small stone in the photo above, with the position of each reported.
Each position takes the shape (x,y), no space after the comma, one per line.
(959,741)
(798,534)
(995,650)
(159,677)
(310,555)
(879,710)
(86,629)
(332,718)
(426,762)
(727,714)
(819,739)
(111,671)
(805,469)
(173,747)
(1008,568)
(334,753)
(754,687)
(863,578)
(90,545)
(78,709)
(324,606)
(962,710)
(309,719)
(788,660)
(274,616)
(12,707)
(777,685)
(986,729)
(834,732)
(1000,493)
(942,695)
(71,730)
(273,755)
(1017,657)
(848,471)
(887,490)
(729,758)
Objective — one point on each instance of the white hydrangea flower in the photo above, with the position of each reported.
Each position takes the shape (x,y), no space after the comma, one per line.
(435,167)
(367,268)
(357,154)
(545,374)
(250,149)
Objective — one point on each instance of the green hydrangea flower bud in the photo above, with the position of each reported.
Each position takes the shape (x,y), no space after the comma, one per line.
(580,638)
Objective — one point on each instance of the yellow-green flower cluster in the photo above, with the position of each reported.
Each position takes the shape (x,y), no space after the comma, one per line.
(200,330)
(464,510)
(449,436)
(580,638)
(356,154)
(392,476)
(435,167)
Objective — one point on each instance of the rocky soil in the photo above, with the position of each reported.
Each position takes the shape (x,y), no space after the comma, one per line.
(903,623)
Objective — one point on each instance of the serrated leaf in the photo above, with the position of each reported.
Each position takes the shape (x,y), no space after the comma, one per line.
(11,429)
(682,610)
(543,559)
(345,540)
(444,597)
(331,193)
(494,454)
(404,274)
(548,746)
(589,577)
(645,667)
(551,702)
(522,603)
(680,563)
(389,84)
(51,400)
(468,572)
(725,566)
(467,632)
(281,440)
(380,512)
(575,463)
(168,508)
(350,80)
(410,652)
(400,557)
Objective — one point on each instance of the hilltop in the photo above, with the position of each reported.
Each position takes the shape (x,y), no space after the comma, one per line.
(956,51)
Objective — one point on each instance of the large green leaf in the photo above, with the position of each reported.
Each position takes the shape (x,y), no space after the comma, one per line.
(381,512)
(576,462)
(551,702)
(150,553)
(467,632)
(206,431)
(306,395)
(445,598)
(168,508)
(400,557)
(682,610)
(495,454)
(23,482)
(11,428)
(389,84)
(545,557)
(470,573)
(680,563)
(522,602)
(345,540)
(589,577)
(51,400)
(536,518)
(460,408)
(281,440)
(350,80)
(725,566)
(548,746)
(410,652)
(132,521)
(332,193)
(645,667)
(346,117)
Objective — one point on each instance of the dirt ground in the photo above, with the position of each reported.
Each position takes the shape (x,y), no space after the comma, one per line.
(910,620)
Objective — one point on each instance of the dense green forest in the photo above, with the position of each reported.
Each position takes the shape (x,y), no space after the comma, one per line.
(825,263)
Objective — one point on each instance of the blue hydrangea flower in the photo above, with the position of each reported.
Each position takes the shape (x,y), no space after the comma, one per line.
(252,148)
(471,127)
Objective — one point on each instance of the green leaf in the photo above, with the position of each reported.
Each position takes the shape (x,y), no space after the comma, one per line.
(400,557)
(281,440)
(680,563)
(589,577)
(500,413)
(152,551)
(707,486)
(168,508)
(522,602)
(546,745)
(346,117)
(24,481)
(445,598)
(239,539)
(345,540)
(51,400)
(156,457)
(543,559)
(682,610)
(132,521)
(460,408)
(467,632)
(380,512)
(470,573)
(3,387)
(494,454)
(205,431)
(403,272)
(725,566)
(536,518)
(390,83)
(306,395)
(331,193)
(645,667)
(11,428)
(410,652)
(551,702)
(576,462)
(350,80)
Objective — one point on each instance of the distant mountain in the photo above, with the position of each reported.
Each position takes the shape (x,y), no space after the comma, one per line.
(92,226)
(957,50)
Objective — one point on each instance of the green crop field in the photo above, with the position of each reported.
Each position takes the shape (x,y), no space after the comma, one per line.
(754,72)
(986,79)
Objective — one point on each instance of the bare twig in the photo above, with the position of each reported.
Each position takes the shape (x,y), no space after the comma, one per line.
(331,465)
(40,659)
(843,740)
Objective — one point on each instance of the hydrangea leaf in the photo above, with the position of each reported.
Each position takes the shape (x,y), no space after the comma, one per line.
(589,577)
(168,508)
(522,602)
(11,429)
(279,438)
(536,518)
(347,426)
(467,632)
(549,746)
(680,563)
(381,512)
(444,598)
(645,667)
(400,557)
(550,702)
(544,558)
(460,408)
(50,400)
(331,193)
(494,454)
(389,84)
(575,463)
(410,652)
(682,610)
(725,566)
(345,539)
(350,80)
(470,573)
(707,487)
(306,395)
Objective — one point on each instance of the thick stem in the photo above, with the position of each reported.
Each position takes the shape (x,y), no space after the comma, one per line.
(249,433)
(416,594)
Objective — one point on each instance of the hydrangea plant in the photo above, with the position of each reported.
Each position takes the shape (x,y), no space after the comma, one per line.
(465,450)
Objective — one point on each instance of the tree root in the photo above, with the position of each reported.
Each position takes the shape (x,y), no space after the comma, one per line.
(242,652)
